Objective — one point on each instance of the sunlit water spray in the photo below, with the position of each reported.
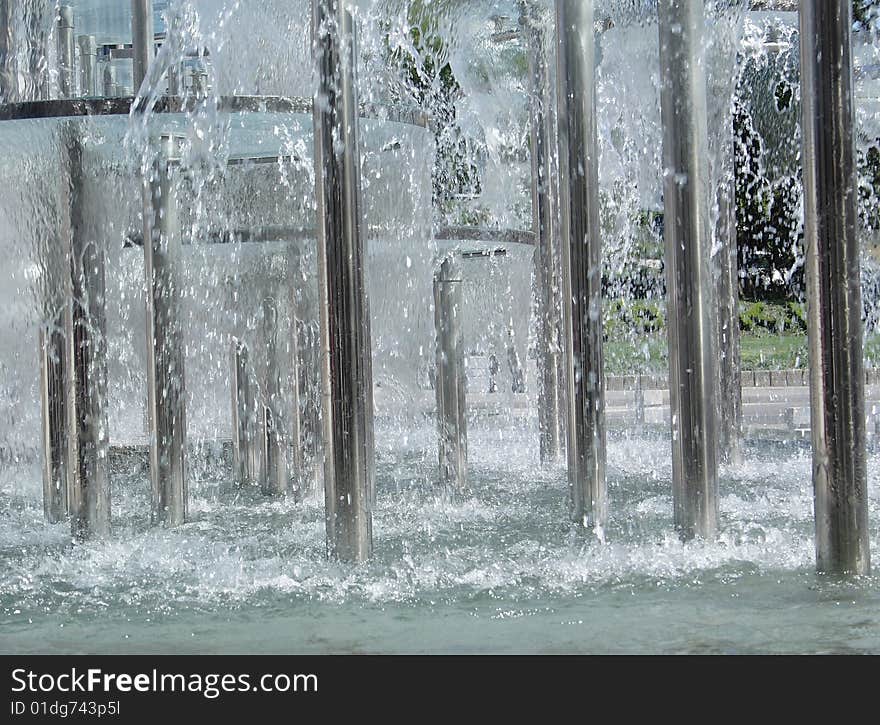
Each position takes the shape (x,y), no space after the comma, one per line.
(501,568)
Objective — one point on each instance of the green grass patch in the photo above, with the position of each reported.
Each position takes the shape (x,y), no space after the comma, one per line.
(627,357)
(765,351)
(773,337)
(647,353)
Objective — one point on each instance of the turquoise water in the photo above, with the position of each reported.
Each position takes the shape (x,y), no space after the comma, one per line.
(498,571)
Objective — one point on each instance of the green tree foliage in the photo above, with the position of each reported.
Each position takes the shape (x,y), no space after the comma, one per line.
(864,11)
(869,186)
(769,238)
(768,192)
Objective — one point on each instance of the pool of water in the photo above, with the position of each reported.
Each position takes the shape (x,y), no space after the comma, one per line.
(500,570)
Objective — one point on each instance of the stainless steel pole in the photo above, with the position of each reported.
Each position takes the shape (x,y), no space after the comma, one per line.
(66,57)
(245,437)
(198,82)
(57,398)
(581,262)
(309,404)
(544,210)
(275,477)
(165,354)
(306,405)
(724,19)
(299,483)
(142,39)
(730,374)
(109,80)
(691,326)
(174,80)
(514,364)
(55,406)
(90,482)
(837,395)
(451,382)
(346,367)
(7,76)
(88,59)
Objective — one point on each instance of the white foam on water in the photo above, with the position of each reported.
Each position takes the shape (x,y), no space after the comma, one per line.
(509,540)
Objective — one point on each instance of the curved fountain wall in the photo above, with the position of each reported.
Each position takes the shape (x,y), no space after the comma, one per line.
(246,205)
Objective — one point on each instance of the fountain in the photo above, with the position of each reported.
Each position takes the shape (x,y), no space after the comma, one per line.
(327,303)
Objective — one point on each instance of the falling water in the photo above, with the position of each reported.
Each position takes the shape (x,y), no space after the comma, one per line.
(498,569)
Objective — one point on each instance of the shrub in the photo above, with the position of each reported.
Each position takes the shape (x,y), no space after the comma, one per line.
(637,317)
(773,318)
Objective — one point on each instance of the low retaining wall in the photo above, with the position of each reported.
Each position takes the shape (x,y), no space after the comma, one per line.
(750,379)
